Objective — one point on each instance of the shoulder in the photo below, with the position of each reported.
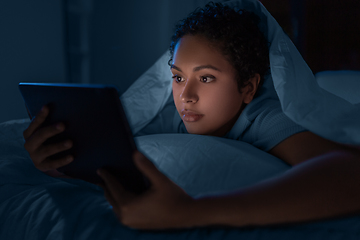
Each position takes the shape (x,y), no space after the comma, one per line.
(270,126)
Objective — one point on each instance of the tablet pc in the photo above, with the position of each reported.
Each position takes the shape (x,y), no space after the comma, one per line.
(96,123)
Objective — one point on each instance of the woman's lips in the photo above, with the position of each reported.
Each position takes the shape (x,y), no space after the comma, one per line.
(189,116)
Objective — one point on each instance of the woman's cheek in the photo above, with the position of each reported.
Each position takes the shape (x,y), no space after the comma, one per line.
(176,94)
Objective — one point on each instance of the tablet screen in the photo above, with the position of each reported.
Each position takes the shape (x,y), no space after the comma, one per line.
(96,123)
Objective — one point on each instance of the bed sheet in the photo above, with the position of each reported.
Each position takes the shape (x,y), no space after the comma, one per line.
(36,206)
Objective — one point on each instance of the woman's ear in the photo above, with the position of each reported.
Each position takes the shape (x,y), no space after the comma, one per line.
(250,89)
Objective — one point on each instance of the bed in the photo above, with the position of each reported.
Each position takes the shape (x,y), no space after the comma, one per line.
(36,206)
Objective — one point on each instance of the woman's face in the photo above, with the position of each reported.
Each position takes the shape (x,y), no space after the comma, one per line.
(204,88)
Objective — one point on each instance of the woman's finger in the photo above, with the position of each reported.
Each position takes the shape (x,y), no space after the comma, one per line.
(41,135)
(51,149)
(36,122)
(110,198)
(115,189)
(50,164)
(149,169)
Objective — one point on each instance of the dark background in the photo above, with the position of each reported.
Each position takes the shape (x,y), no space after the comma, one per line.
(327,32)
(114,41)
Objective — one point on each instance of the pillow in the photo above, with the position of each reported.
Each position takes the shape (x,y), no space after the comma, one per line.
(197,163)
(204,165)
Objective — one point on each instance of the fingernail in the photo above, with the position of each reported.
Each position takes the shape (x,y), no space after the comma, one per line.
(59,126)
(67,144)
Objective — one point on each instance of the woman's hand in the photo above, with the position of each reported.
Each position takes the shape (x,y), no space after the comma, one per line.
(164,205)
(35,136)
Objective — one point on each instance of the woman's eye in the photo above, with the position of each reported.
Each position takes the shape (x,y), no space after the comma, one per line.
(207,79)
(177,78)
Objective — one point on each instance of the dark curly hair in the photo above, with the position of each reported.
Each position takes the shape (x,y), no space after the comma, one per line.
(235,33)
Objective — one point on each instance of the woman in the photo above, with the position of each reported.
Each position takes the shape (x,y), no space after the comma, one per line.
(218,65)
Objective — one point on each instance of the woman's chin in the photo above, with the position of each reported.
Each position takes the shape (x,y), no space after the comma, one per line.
(198,131)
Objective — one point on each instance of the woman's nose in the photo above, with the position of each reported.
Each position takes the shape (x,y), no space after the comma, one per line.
(188,94)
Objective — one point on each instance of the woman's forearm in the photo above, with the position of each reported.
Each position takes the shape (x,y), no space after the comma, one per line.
(326,186)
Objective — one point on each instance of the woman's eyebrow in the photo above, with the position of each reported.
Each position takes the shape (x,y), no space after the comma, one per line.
(204,67)
(198,68)
(175,67)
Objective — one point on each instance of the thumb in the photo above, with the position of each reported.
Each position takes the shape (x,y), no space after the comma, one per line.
(149,169)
